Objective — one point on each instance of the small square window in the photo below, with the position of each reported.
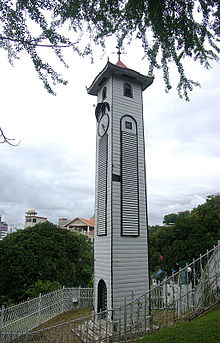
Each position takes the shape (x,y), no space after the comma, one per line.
(128,90)
(104,93)
(128,125)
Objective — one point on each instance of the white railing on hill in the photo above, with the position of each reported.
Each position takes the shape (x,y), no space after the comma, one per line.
(36,311)
(180,297)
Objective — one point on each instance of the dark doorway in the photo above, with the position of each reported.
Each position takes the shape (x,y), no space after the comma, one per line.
(102,296)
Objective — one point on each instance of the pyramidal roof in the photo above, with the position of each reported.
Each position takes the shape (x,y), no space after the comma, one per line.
(119,69)
(119,63)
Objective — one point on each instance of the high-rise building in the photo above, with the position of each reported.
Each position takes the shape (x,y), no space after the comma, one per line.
(3,229)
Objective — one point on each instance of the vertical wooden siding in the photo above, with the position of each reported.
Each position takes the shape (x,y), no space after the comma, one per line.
(130,258)
(102,244)
(121,261)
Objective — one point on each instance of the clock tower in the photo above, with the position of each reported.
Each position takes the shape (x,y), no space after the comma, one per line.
(120,237)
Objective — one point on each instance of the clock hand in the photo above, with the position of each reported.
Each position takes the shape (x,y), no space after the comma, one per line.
(103,126)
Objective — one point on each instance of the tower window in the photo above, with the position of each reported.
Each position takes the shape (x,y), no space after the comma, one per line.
(129,178)
(128,90)
(128,125)
(102,187)
(104,93)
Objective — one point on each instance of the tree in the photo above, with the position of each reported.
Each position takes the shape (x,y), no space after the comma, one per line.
(170,218)
(41,287)
(193,233)
(169,31)
(44,252)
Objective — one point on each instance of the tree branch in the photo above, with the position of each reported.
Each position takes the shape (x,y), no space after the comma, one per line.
(7,140)
(41,45)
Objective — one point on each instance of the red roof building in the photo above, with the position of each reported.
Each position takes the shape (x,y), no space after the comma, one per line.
(81,226)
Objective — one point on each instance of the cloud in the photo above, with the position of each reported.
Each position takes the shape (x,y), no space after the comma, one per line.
(182,147)
(45,177)
(53,169)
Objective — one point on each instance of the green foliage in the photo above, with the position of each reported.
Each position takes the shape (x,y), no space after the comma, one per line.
(170,218)
(91,281)
(169,31)
(154,228)
(204,329)
(41,287)
(44,252)
(193,233)
(4,300)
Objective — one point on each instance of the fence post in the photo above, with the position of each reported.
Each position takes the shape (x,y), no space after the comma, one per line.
(166,300)
(132,311)
(63,299)
(173,295)
(209,279)
(200,263)
(180,290)
(145,313)
(2,320)
(39,309)
(2,317)
(159,302)
(202,283)
(125,320)
(216,271)
(194,286)
(132,319)
(187,288)
(79,296)
(26,335)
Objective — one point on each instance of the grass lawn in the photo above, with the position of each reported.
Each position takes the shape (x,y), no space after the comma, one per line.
(65,317)
(204,329)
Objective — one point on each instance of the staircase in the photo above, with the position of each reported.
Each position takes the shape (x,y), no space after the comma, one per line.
(95,330)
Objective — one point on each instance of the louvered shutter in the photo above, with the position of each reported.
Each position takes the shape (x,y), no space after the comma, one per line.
(129,183)
(102,186)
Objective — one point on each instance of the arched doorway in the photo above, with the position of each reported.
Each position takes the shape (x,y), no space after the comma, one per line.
(102,296)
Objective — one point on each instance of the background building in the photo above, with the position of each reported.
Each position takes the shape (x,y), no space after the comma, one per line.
(3,229)
(81,226)
(62,222)
(32,219)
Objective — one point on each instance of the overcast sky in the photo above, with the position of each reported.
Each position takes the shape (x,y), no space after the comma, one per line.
(53,168)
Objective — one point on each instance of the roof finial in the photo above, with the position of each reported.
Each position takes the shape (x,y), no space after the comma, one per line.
(119,63)
(119,54)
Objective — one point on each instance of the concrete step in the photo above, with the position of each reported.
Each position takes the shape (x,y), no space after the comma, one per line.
(94,331)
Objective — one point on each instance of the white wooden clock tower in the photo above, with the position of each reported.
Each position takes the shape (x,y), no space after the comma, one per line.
(120,243)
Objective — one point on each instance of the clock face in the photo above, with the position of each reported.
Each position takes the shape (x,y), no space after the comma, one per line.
(103,125)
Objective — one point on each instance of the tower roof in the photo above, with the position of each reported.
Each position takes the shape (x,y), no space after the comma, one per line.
(119,63)
(121,70)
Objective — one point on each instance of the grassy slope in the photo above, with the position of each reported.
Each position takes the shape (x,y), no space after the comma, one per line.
(65,317)
(204,329)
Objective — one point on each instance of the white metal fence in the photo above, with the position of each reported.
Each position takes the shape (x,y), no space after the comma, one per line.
(179,297)
(32,313)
